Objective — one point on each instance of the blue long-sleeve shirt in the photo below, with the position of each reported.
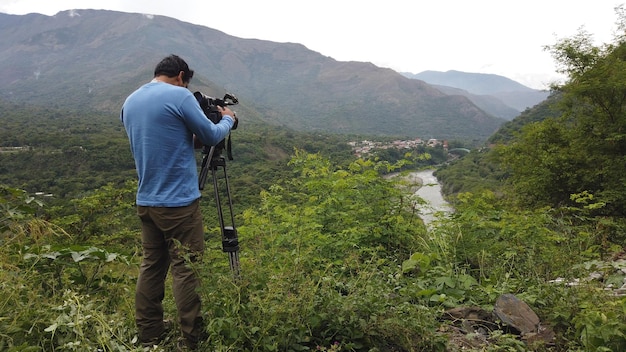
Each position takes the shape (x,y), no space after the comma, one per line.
(160,120)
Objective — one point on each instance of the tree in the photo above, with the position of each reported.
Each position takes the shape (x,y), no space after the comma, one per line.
(583,149)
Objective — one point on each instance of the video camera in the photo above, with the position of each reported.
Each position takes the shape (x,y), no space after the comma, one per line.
(209,106)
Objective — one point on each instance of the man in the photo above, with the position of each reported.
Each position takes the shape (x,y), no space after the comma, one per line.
(161,119)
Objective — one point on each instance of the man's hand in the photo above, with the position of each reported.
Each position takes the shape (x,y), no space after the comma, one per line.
(227,111)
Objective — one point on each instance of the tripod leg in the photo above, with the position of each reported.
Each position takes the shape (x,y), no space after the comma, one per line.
(206,163)
(230,241)
(233,258)
(230,200)
(218,201)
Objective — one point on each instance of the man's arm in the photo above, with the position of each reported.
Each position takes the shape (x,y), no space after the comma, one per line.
(203,129)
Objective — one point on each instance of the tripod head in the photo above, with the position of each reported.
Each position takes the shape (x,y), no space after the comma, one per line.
(209,107)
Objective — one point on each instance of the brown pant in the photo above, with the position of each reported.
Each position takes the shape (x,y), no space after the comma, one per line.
(171,237)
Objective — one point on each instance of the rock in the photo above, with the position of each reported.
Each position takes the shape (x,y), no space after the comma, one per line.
(477,324)
(517,314)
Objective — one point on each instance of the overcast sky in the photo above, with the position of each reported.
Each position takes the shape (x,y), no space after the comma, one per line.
(503,37)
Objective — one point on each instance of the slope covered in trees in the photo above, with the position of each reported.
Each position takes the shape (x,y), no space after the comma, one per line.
(569,149)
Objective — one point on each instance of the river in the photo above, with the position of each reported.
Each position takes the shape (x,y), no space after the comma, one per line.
(430,191)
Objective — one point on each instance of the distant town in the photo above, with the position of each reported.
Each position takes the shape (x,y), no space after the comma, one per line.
(14,149)
(365,147)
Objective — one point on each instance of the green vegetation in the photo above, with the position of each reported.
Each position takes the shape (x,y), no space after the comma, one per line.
(331,259)
(333,256)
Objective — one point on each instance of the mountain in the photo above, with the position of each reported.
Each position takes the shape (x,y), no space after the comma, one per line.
(548,108)
(495,94)
(92,59)
(487,103)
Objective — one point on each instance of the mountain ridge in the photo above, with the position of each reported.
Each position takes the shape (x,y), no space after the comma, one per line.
(483,88)
(477,83)
(92,59)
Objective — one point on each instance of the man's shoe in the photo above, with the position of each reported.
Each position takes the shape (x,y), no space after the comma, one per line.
(184,346)
(155,341)
(151,343)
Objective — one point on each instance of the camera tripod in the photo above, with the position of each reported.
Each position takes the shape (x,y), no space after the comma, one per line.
(213,160)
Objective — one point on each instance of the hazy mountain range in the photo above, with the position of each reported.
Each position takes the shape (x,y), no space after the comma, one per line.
(497,95)
(92,59)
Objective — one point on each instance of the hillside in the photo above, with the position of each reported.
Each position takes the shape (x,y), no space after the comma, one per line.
(546,109)
(495,94)
(487,103)
(481,169)
(94,58)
